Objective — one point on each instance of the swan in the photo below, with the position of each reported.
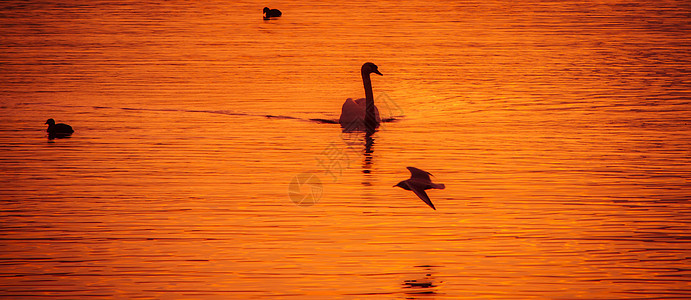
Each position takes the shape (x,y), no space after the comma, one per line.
(271,13)
(355,113)
(418,182)
(58,130)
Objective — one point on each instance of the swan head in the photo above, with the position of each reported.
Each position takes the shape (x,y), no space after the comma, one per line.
(266,9)
(369,67)
(50,122)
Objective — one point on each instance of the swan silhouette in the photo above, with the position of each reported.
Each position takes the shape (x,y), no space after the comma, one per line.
(271,13)
(59,130)
(418,182)
(356,113)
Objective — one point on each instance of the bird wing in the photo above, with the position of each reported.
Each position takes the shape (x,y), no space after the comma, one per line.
(420,192)
(418,174)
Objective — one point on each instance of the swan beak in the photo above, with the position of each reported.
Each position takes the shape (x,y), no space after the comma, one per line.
(377,72)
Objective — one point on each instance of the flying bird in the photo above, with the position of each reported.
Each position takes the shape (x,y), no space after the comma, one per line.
(58,130)
(418,182)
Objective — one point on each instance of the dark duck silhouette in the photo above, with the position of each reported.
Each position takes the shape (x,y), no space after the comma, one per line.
(59,130)
(418,182)
(271,13)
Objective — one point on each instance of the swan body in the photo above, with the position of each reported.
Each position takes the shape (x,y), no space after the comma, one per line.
(271,13)
(353,111)
(58,130)
(418,182)
(356,113)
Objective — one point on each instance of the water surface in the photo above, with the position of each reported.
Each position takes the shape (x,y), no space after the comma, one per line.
(560,128)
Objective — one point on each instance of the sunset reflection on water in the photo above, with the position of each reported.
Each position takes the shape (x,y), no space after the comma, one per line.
(560,129)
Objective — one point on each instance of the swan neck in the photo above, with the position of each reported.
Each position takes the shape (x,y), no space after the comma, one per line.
(367,82)
(370,119)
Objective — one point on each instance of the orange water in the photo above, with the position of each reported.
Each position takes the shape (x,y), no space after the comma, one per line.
(561,130)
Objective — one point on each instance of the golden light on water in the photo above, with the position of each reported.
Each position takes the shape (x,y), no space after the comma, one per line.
(560,129)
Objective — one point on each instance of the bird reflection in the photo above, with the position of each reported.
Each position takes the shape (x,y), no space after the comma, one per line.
(357,139)
(421,284)
(367,162)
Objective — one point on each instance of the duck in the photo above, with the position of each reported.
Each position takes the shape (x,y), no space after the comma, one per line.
(58,130)
(271,13)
